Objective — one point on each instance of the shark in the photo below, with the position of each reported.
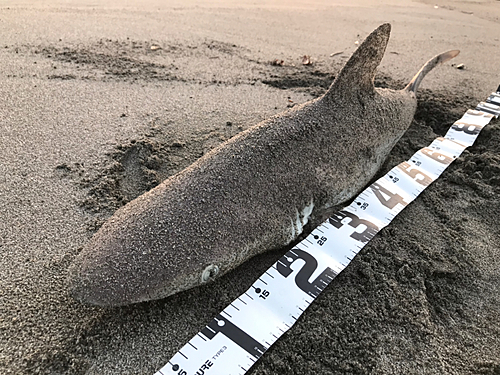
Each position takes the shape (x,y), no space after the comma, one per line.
(256,192)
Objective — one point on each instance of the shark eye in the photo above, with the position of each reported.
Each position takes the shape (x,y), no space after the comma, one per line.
(209,273)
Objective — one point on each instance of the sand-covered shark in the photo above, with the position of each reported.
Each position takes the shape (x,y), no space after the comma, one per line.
(253,193)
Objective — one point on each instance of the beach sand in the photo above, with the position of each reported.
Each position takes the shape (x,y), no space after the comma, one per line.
(99,103)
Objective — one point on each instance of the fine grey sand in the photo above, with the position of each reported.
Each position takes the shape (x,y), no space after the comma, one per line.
(92,116)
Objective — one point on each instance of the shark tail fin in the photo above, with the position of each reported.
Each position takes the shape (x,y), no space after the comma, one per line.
(428,66)
(359,71)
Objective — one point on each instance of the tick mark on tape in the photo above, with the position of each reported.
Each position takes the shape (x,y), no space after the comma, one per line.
(193,346)
(204,339)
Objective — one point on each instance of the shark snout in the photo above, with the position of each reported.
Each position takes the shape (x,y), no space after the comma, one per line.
(98,283)
(105,275)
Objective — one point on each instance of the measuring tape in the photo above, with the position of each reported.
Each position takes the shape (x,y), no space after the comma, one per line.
(236,338)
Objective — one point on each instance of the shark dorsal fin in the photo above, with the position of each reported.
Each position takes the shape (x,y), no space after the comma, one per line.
(358,73)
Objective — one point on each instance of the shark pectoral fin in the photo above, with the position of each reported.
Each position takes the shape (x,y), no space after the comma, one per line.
(359,72)
(428,66)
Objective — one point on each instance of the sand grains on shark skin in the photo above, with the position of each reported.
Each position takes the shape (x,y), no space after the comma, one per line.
(252,193)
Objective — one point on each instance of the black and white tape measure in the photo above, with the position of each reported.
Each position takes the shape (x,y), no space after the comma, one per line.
(236,338)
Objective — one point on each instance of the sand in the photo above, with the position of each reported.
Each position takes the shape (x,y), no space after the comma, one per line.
(92,116)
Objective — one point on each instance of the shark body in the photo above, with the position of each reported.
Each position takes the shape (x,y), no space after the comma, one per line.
(253,193)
